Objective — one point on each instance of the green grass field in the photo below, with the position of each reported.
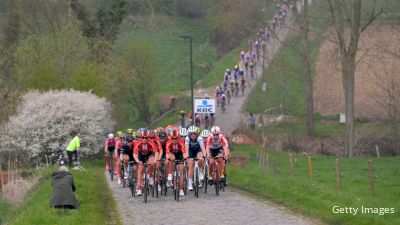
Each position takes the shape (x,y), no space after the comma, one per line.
(97,205)
(317,197)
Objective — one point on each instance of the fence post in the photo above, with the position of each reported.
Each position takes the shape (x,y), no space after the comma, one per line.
(371,178)
(274,166)
(258,154)
(310,170)
(267,160)
(337,175)
(291,164)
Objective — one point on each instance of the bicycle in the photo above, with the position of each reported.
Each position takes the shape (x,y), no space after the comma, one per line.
(130,178)
(196,180)
(223,103)
(205,181)
(176,179)
(216,176)
(146,183)
(111,167)
(163,177)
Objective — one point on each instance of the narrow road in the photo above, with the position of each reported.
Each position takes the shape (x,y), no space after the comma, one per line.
(231,207)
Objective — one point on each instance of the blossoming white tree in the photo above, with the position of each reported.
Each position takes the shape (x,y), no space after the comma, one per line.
(44,122)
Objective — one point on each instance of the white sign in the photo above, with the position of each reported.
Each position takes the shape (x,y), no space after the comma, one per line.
(204,105)
(342,118)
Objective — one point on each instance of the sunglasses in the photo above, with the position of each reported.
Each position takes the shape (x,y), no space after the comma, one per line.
(144,137)
(215,134)
(174,138)
(193,134)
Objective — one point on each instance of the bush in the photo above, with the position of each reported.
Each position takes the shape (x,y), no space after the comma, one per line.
(44,122)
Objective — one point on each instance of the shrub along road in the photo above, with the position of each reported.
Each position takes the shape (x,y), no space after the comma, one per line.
(231,207)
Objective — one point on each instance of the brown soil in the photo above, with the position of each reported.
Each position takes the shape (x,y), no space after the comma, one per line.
(377,68)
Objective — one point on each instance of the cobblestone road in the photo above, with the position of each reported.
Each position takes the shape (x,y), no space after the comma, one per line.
(230,207)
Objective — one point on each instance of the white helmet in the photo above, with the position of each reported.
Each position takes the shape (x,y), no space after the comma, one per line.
(205,133)
(183,132)
(192,129)
(110,136)
(215,130)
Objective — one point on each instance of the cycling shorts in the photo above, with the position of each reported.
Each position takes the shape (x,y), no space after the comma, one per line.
(193,152)
(111,150)
(144,158)
(178,155)
(216,151)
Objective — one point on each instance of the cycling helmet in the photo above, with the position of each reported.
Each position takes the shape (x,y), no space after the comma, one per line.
(137,136)
(205,133)
(119,134)
(144,133)
(129,138)
(162,134)
(228,70)
(129,130)
(198,130)
(183,132)
(215,130)
(133,134)
(152,134)
(192,129)
(159,129)
(110,136)
(174,134)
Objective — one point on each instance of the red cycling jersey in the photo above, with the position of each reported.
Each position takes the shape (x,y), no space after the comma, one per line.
(175,148)
(145,148)
(157,141)
(219,142)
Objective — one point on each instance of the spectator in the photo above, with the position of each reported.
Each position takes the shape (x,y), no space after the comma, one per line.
(252,121)
(72,149)
(63,190)
(197,120)
(182,118)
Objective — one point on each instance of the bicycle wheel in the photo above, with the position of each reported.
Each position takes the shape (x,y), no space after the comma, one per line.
(122,177)
(111,170)
(196,188)
(205,181)
(177,181)
(146,184)
(164,181)
(155,186)
(174,183)
(184,179)
(217,179)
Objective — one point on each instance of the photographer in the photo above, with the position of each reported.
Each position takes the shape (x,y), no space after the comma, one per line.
(63,186)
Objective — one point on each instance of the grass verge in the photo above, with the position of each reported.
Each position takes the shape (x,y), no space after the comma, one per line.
(97,205)
(316,198)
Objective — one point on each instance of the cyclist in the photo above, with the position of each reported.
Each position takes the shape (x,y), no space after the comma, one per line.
(242,84)
(118,146)
(153,136)
(195,149)
(145,150)
(251,70)
(242,55)
(175,150)
(223,102)
(216,145)
(163,137)
(126,154)
(228,96)
(129,131)
(109,149)
(205,134)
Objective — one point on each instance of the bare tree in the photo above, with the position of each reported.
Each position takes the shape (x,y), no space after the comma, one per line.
(302,19)
(348,14)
